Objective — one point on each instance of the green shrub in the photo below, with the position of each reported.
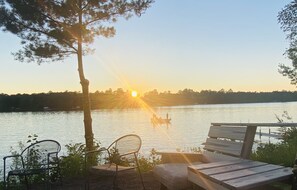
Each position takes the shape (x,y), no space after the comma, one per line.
(147,164)
(1,185)
(282,153)
(115,157)
(72,165)
(290,135)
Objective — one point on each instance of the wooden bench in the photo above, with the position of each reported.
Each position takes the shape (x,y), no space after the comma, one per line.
(237,175)
(223,143)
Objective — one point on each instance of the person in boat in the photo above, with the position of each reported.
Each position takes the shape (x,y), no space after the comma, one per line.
(160,120)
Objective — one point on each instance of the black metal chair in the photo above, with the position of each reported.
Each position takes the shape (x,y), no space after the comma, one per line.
(121,156)
(39,158)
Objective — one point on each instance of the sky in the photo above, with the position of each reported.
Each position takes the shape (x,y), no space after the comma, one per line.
(195,44)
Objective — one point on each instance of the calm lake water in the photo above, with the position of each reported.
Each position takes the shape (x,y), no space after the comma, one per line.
(189,128)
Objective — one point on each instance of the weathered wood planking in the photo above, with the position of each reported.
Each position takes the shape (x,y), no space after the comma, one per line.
(223,143)
(257,124)
(234,133)
(238,174)
(259,179)
(205,183)
(245,172)
(231,168)
(224,146)
(195,168)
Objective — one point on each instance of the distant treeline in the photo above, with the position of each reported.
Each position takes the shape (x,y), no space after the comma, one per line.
(109,99)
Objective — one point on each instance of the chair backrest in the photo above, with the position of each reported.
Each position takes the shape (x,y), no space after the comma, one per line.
(127,144)
(230,140)
(39,154)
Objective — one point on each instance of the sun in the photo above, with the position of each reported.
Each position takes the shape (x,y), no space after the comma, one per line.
(134,94)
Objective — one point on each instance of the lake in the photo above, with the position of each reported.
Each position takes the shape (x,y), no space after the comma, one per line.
(189,128)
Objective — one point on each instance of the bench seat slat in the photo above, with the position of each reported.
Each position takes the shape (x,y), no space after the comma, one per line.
(224,146)
(234,133)
(245,172)
(258,179)
(195,168)
(232,168)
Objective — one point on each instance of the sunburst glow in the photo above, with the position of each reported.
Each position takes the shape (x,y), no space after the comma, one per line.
(134,94)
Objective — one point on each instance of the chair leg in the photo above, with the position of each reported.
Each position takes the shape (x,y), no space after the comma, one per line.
(139,172)
(27,182)
(140,175)
(114,184)
(6,183)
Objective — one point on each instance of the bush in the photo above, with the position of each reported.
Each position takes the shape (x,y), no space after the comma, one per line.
(147,164)
(73,165)
(282,153)
(1,185)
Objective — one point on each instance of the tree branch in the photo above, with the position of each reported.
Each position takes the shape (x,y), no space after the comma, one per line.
(43,32)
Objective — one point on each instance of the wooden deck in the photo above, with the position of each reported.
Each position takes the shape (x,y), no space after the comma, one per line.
(236,175)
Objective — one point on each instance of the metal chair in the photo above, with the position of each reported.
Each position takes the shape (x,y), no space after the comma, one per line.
(124,150)
(40,158)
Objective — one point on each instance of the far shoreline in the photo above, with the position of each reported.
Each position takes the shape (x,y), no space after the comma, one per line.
(120,99)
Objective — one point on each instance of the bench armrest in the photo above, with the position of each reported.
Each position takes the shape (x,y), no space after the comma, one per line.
(180,157)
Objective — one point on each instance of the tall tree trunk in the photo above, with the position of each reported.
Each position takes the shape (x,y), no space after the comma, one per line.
(86,104)
(85,90)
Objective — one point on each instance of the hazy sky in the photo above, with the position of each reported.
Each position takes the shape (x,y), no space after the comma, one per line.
(197,44)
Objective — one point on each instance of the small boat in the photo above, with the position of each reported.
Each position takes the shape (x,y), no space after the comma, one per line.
(159,121)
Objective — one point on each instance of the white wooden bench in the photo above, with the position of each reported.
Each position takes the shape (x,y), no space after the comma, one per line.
(223,143)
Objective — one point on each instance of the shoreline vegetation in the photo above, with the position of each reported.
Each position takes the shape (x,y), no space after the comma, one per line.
(120,99)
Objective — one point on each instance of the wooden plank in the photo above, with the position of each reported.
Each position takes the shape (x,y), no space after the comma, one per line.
(232,168)
(235,133)
(209,156)
(223,146)
(203,182)
(215,164)
(259,179)
(229,174)
(257,124)
(223,143)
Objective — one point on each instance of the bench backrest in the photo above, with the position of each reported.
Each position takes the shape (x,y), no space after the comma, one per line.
(236,141)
